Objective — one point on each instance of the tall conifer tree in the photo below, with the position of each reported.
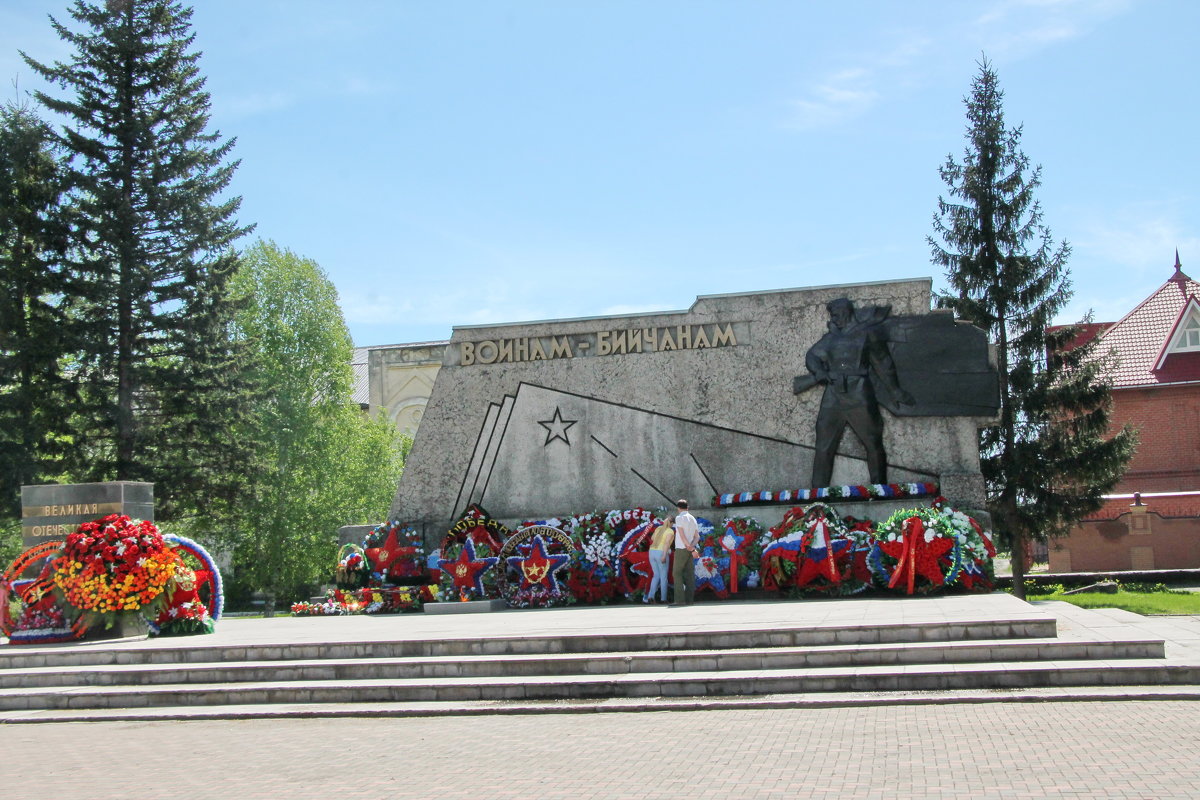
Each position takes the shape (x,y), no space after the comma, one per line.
(1047,461)
(35,329)
(161,391)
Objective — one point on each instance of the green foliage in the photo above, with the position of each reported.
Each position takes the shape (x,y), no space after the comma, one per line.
(161,391)
(35,328)
(1049,459)
(325,462)
(10,541)
(1138,598)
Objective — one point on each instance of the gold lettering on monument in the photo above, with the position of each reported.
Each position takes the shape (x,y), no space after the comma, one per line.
(601,343)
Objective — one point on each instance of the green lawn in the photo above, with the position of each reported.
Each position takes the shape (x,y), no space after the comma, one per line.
(1137,602)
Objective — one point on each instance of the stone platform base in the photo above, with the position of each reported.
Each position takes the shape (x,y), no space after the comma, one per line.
(468,607)
(128,626)
(620,657)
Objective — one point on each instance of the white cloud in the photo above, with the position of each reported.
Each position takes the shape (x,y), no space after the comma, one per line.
(1121,256)
(838,97)
(1009,29)
(1145,246)
(852,90)
(1018,28)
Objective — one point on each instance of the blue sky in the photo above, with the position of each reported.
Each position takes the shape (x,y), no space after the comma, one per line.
(459,162)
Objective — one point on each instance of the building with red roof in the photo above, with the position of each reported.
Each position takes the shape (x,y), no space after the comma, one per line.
(1152,521)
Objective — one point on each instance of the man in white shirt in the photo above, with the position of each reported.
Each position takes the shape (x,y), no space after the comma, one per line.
(687,538)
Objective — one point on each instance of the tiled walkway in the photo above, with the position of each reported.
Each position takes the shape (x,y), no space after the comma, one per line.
(1100,749)
(1029,750)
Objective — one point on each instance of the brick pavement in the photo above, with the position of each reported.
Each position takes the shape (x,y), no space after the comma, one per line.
(1123,750)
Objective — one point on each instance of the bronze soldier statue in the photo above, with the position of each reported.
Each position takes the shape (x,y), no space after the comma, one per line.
(846,361)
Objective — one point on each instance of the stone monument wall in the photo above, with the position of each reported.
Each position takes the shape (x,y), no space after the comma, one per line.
(540,419)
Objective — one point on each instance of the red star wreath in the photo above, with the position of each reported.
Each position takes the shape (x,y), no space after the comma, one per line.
(389,554)
(916,556)
(466,571)
(539,568)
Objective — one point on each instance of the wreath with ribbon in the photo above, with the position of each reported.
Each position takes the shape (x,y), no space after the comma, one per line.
(591,574)
(197,597)
(532,561)
(742,540)
(468,556)
(633,529)
(815,551)
(30,611)
(927,549)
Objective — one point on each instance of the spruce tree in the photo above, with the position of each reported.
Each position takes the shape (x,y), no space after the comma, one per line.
(1049,458)
(160,378)
(35,328)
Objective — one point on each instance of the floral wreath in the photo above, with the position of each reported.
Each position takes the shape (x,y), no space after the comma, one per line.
(741,539)
(30,613)
(925,549)
(631,529)
(197,599)
(531,564)
(350,572)
(815,550)
(468,554)
(394,553)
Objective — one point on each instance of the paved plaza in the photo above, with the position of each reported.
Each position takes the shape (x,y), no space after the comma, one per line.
(1143,745)
(1129,749)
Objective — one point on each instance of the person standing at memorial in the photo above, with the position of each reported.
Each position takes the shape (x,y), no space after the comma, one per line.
(687,538)
(661,544)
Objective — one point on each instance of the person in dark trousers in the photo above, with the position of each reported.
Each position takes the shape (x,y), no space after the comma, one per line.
(687,538)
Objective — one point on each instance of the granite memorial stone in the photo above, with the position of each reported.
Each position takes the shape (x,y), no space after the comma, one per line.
(543,419)
(51,511)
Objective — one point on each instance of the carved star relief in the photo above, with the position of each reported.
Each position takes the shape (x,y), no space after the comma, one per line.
(557,427)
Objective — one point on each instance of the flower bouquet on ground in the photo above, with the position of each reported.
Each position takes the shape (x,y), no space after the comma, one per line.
(115,566)
(593,571)
(368,600)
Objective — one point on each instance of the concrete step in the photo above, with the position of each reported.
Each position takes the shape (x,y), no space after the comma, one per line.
(913,677)
(609,705)
(193,650)
(469,667)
